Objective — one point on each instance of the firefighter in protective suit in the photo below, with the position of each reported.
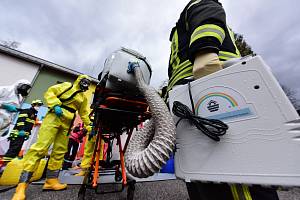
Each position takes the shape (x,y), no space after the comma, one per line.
(22,130)
(200,41)
(63,100)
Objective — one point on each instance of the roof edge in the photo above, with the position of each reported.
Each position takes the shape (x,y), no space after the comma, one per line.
(40,61)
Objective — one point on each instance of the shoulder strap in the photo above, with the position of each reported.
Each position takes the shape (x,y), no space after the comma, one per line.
(70,97)
(69,88)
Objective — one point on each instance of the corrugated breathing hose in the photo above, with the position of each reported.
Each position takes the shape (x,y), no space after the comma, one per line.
(150,147)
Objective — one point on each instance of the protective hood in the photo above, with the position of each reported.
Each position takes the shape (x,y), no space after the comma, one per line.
(76,84)
(8,94)
(21,82)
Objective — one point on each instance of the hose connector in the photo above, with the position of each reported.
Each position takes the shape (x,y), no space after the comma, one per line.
(131,66)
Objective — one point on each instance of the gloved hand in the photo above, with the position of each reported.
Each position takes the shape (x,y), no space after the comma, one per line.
(206,64)
(21,133)
(9,107)
(58,111)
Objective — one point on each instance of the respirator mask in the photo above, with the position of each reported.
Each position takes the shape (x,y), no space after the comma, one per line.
(84,84)
(23,89)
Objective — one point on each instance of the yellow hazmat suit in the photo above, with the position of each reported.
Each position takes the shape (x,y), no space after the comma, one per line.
(87,155)
(88,152)
(54,130)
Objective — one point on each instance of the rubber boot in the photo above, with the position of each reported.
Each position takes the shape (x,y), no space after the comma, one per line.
(82,172)
(52,182)
(20,193)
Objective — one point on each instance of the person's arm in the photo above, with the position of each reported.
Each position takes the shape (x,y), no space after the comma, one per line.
(29,121)
(206,64)
(25,122)
(20,124)
(52,93)
(206,23)
(84,112)
(82,134)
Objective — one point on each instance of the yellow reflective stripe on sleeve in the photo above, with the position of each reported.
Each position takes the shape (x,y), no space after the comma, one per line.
(30,120)
(247,192)
(234,192)
(23,115)
(227,55)
(20,124)
(208,30)
(233,41)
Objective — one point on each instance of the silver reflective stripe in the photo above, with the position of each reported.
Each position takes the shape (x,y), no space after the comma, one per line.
(195,2)
(220,33)
(185,17)
(68,161)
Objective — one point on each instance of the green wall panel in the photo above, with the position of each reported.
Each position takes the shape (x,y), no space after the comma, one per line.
(46,78)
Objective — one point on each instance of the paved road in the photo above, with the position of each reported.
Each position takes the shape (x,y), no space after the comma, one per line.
(162,190)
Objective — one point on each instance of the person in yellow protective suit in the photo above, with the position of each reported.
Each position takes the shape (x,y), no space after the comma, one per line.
(63,100)
(87,156)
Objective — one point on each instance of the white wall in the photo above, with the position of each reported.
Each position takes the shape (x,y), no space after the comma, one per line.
(13,69)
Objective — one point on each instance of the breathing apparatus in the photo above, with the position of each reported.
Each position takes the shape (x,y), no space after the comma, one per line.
(84,84)
(23,89)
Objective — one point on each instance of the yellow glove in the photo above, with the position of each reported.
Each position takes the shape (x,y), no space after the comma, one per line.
(206,64)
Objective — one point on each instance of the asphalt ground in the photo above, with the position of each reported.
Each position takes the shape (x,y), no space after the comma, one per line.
(161,190)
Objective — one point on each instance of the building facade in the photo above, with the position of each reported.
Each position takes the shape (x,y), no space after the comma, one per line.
(16,65)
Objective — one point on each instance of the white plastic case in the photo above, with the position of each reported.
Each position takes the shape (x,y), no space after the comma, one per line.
(262,145)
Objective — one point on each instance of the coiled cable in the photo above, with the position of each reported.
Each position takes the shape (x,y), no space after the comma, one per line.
(213,128)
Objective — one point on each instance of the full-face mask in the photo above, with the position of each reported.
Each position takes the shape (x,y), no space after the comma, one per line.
(23,89)
(84,84)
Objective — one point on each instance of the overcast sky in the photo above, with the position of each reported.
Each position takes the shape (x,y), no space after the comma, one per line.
(81,34)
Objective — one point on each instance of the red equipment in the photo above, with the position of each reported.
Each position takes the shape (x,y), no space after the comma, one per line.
(114,115)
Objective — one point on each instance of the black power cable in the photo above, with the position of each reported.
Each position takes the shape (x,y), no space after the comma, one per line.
(213,128)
